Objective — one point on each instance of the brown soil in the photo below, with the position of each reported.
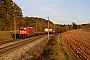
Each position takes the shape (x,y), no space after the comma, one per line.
(78,42)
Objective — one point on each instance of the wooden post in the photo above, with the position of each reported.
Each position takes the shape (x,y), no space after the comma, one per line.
(14,21)
(48,28)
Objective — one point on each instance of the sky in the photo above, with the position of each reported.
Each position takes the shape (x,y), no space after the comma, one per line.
(59,11)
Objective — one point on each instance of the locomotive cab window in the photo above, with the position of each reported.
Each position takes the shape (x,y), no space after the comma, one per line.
(22,28)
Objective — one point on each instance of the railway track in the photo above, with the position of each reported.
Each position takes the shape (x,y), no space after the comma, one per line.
(16,44)
(10,41)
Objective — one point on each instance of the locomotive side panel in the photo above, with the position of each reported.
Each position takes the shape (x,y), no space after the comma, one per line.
(31,30)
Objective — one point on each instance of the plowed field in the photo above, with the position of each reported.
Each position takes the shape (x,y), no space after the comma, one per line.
(78,43)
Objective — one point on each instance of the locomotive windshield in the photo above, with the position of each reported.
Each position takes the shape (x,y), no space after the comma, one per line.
(22,28)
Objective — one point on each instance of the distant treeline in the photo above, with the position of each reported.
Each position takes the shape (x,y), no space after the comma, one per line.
(63,28)
(10,11)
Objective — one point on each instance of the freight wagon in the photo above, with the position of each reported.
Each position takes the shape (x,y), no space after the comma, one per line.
(50,30)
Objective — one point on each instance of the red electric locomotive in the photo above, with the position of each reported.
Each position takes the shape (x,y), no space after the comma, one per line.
(26,31)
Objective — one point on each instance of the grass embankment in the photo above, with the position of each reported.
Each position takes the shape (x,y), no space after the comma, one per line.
(55,50)
(63,48)
(50,51)
(6,35)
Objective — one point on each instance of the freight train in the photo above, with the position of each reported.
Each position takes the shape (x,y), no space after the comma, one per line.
(26,31)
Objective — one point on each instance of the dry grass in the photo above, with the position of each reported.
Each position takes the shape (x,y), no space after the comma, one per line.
(55,50)
(64,49)
(5,35)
